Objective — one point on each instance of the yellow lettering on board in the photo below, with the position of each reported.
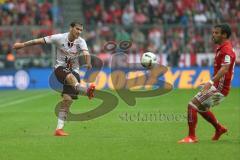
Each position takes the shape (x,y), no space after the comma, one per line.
(171,77)
(203,77)
(101,79)
(135,80)
(116,80)
(185,80)
(154,75)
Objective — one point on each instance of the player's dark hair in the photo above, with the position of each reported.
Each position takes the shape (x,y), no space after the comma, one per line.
(74,23)
(225,28)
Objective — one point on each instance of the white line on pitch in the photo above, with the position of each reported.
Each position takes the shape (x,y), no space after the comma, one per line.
(23,100)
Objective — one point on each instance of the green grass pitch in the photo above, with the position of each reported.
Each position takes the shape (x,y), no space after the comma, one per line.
(27,122)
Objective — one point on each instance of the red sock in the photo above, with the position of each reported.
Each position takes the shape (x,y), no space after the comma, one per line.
(209,116)
(192,120)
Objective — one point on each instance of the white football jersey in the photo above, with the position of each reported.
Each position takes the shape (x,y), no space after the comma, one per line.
(66,53)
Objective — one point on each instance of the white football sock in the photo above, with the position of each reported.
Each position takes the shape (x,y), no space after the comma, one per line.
(61,118)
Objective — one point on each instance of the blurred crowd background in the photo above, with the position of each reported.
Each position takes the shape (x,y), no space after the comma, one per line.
(172,28)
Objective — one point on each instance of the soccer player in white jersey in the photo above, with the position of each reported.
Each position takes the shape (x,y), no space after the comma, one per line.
(69,46)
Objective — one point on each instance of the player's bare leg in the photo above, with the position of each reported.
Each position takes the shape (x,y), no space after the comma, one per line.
(62,115)
(71,80)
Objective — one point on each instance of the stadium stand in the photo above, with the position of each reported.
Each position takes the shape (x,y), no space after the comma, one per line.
(169,28)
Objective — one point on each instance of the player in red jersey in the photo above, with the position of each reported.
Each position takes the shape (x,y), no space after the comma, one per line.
(214,91)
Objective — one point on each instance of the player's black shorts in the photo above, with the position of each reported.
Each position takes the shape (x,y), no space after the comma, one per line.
(61,74)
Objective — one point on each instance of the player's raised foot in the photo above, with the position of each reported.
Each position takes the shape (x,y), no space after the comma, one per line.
(219,132)
(60,132)
(90,91)
(188,139)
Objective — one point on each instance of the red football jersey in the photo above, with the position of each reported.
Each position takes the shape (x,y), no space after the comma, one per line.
(224,55)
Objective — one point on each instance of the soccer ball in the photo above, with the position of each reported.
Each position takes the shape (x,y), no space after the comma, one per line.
(148,59)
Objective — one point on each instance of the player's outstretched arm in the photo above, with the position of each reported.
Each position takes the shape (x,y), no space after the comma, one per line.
(28,43)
